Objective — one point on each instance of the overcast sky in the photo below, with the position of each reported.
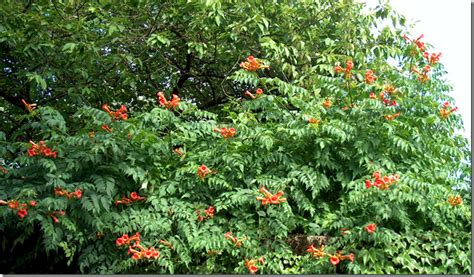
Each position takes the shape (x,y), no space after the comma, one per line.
(447,26)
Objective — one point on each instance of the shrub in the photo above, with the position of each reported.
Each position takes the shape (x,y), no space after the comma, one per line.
(309,147)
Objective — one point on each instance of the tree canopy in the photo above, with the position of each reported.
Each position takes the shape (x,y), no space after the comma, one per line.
(213,136)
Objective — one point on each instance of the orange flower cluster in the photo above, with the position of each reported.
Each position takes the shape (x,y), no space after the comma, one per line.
(433,58)
(234,240)
(333,259)
(250,264)
(120,114)
(270,198)
(382,183)
(41,149)
(390,89)
(203,171)
(62,192)
(258,92)
(54,214)
(387,102)
(29,107)
(444,112)
(315,252)
(209,213)
(147,253)
(390,103)
(314,121)
(392,116)
(421,45)
(226,133)
(327,103)
(347,70)
(386,95)
(252,64)
(21,208)
(455,200)
(126,201)
(174,103)
(371,228)
(422,76)
(369,77)
(417,42)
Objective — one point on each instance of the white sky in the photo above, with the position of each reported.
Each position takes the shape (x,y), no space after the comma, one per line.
(447,27)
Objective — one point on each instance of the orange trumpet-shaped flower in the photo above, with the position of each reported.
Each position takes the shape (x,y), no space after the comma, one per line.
(349,65)
(258,92)
(178,151)
(203,171)
(327,103)
(29,107)
(270,198)
(338,69)
(166,243)
(265,191)
(106,128)
(234,240)
(391,117)
(371,228)
(334,260)
(249,94)
(53,215)
(210,211)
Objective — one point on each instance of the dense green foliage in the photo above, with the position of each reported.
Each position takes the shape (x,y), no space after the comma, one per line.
(70,57)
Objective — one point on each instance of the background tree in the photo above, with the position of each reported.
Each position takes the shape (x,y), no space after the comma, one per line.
(339,105)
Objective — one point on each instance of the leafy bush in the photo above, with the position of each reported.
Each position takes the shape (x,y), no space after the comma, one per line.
(313,135)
